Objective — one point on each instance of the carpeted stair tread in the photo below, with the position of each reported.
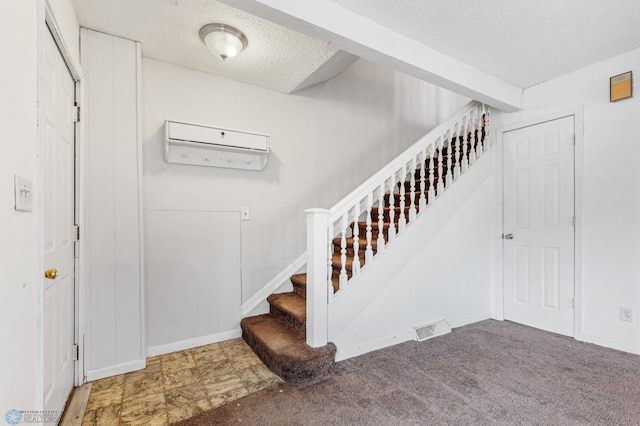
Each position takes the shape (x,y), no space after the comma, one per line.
(290,304)
(336,261)
(299,282)
(299,279)
(362,241)
(285,351)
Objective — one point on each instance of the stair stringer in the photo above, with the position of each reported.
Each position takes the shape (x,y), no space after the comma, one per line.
(374,278)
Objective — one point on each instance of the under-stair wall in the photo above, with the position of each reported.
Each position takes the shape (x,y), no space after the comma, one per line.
(443,272)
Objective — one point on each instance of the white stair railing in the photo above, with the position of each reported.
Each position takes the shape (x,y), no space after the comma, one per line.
(357,224)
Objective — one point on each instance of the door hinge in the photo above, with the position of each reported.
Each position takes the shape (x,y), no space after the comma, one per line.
(76,233)
(76,114)
(76,352)
(573,221)
(574,140)
(573,303)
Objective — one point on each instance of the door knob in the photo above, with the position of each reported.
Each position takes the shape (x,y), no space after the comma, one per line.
(507,236)
(51,274)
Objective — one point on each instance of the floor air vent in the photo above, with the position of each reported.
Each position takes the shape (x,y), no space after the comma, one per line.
(427,331)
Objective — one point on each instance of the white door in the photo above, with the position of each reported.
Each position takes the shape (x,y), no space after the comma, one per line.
(538,226)
(58,304)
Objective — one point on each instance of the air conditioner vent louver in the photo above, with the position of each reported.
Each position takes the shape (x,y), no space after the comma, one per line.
(423,333)
(427,331)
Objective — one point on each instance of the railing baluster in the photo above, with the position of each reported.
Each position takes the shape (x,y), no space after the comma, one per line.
(412,191)
(392,209)
(423,165)
(485,128)
(440,143)
(464,134)
(478,132)
(380,245)
(355,266)
(343,252)
(330,291)
(402,220)
(368,254)
(472,139)
(449,177)
(432,171)
(457,153)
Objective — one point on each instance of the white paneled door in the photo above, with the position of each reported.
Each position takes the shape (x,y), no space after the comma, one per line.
(58,197)
(539,226)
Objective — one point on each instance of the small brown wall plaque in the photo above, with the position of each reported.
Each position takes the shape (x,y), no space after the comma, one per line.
(620,87)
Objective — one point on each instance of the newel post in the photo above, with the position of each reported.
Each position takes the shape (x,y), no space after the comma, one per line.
(317,243)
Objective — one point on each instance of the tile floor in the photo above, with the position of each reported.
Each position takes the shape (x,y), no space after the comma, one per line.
(178,386)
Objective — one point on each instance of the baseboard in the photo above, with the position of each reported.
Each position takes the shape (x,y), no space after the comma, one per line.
(460,322)
(128,367)
(192,343)
(616,345)
(273,285)
(354,351)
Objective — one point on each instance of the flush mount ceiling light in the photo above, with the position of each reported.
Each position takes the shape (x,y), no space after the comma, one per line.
(223,40)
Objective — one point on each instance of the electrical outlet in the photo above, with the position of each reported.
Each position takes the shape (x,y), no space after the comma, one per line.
(626,314)
(244,213)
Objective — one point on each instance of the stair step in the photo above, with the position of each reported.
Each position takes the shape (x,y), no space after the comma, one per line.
(407,198)
(362,241)
(299,282)
(291,308)
(362,226)
(285,352)
(396,210)
(337,262)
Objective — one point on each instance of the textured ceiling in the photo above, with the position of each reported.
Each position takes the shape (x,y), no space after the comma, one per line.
(276,57)
(522,42)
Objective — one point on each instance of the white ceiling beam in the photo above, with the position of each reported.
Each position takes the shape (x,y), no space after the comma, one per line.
(367,39)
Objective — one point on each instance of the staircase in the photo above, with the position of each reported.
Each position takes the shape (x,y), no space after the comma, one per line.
(418,178)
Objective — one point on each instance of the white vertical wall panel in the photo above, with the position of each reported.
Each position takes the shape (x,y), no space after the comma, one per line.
(114,330)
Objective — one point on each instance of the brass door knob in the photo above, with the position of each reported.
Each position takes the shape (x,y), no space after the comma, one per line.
(51,274)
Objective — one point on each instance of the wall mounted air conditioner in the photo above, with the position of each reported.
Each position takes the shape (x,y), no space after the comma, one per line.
(201,145)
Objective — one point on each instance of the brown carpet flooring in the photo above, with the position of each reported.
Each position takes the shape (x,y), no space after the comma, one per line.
(489,373)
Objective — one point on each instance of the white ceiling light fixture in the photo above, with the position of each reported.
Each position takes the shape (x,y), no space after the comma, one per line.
(223,40)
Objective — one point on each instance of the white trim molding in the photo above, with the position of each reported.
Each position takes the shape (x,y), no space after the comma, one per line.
(127,367)
(193,343)
(250,305)
(54,27)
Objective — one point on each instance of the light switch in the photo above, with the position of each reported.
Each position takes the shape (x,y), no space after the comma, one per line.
(24,194)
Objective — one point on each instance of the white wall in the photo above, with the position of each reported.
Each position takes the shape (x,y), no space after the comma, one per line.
(324,142)
(610,197)
(20,260)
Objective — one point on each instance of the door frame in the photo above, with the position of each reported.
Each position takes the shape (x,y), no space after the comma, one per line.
(50,24)
(498,285)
